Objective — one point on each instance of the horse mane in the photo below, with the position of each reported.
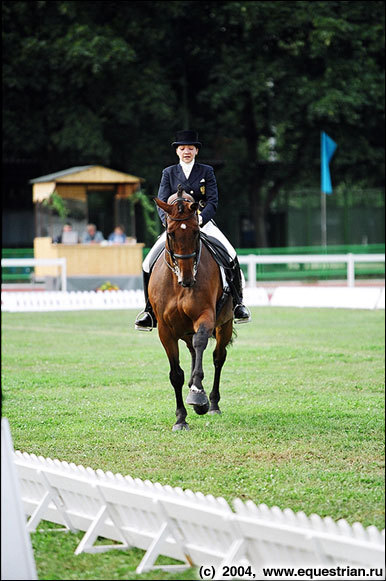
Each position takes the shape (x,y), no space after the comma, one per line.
(180,205)
(179,198)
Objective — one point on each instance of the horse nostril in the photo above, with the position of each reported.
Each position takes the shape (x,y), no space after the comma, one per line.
(187,284)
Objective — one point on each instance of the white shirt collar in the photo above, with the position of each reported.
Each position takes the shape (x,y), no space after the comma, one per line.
(187,167)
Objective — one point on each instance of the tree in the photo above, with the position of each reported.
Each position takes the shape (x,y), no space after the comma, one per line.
(111,82)
(285,73)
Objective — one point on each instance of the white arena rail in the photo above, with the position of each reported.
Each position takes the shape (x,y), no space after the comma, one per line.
(44,301)
(61,262)
(350,259)
(281,296)
(328,297)
(190,527)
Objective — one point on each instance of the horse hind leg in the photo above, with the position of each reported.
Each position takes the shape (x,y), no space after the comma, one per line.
(223,338)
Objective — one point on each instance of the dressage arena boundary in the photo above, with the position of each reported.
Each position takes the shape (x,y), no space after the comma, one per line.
(281,296)
(190,527)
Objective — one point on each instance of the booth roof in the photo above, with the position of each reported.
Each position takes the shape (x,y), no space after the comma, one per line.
(110,174)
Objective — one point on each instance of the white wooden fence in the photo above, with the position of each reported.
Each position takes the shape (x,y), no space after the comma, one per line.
(71,301)
(282,296)
(198,530)
(350,259)
(17,560)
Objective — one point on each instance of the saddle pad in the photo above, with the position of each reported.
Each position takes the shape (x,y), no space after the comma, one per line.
(217,250)
(155,258)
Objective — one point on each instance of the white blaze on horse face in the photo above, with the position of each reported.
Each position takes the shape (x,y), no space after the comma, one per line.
(183,226)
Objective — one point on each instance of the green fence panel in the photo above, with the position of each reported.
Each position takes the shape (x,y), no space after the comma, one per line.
(17,273)
(315,271)
(269,272)
(272,272)
(339,249)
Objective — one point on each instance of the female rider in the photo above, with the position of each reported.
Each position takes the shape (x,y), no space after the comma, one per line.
(199,181)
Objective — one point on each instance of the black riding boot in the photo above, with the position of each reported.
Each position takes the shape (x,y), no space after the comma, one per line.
(146,320)
(240,312)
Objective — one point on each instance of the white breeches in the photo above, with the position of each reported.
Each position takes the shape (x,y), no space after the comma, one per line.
(210,229)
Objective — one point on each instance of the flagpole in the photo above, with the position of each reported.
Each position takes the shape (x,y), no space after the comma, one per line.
(323,195)
(327,148)
(323,219)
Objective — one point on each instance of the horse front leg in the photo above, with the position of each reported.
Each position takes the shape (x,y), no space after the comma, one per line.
(176,376)
(197,396)
(223,338)
(188,341)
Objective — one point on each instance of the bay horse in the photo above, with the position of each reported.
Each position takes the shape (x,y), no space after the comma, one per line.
(184,289)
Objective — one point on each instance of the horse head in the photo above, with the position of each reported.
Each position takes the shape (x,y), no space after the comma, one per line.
(183,236)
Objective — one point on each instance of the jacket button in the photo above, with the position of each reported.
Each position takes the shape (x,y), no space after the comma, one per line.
(191,191)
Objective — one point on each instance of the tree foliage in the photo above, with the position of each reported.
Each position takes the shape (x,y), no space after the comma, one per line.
(111,82)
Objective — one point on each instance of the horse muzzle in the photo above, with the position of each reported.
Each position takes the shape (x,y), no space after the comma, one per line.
(186,279)
(187,283)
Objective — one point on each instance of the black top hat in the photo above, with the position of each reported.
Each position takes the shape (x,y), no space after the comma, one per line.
(186,137)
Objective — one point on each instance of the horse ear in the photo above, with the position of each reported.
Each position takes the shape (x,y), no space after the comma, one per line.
(163,205)
(193,206)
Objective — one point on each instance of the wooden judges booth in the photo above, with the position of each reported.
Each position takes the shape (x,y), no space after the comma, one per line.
(82,195)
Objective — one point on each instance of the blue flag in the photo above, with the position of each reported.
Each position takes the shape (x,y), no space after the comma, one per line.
(327,149)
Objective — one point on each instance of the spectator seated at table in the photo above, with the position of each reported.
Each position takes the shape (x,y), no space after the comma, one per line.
(118,236)
(68,235)
(92,235)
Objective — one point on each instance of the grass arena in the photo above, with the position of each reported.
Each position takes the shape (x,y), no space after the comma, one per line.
(302,424)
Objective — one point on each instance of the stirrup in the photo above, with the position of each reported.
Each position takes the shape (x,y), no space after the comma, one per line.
(139,328)
(245,320)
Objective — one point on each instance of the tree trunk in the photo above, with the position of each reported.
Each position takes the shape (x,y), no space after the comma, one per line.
(261,230)
(257,213)
(254,173)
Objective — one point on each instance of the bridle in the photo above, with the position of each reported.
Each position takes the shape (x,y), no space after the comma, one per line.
(174,256)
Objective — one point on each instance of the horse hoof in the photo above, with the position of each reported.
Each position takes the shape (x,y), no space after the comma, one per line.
(201,409)
(197,397)
(179,427)
(214,412)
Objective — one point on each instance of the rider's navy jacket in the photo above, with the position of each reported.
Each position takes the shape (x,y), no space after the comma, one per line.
(201,184)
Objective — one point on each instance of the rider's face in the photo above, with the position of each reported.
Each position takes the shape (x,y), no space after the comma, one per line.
(187,153)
